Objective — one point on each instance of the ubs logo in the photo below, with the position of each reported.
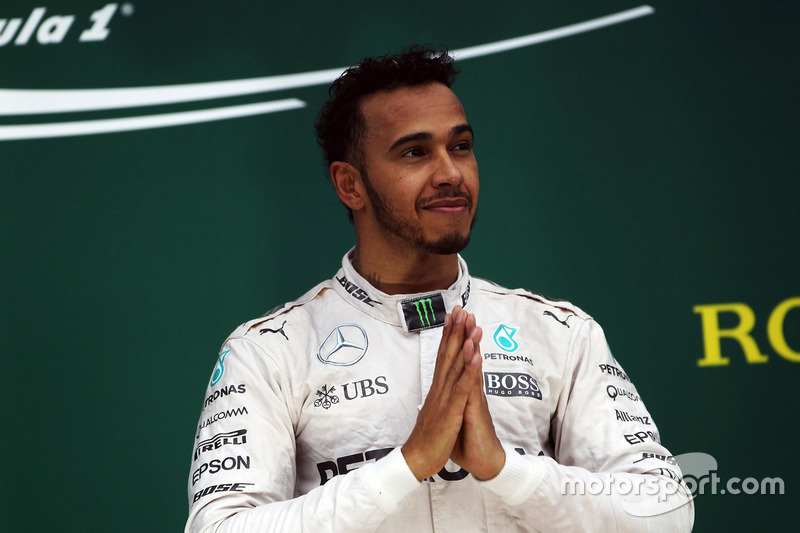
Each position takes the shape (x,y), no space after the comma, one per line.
(344,346)
(363,388)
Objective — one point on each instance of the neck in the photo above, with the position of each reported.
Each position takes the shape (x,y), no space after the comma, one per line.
(404,272)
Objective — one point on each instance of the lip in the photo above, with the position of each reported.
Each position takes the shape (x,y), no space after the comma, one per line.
(448,205)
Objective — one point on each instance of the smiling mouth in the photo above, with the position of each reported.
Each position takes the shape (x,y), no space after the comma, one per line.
(449,205)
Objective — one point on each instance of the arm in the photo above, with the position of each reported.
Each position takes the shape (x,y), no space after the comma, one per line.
(261,497)
(609,474)
(243,471)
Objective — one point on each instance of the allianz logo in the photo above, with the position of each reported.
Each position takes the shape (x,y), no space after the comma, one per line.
(41,27)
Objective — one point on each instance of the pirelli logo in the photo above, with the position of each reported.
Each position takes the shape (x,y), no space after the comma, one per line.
(221,439)
(511,384)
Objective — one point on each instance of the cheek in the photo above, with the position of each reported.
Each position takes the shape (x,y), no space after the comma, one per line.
(472,182)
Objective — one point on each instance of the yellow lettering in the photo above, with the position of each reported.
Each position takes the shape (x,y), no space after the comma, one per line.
(775,330)
(712,334)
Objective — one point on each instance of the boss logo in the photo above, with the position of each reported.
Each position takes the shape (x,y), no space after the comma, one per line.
(511,384)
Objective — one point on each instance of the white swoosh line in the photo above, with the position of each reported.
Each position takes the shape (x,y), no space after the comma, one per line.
(41,101)
(34,101)
(89,127)
(552,35)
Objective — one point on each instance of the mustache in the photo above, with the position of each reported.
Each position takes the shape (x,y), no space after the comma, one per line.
(423,202)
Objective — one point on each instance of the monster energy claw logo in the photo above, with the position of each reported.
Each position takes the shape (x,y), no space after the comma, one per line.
(424,312)
(423,306)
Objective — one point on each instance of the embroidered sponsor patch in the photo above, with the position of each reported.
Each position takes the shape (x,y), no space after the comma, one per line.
(425,312)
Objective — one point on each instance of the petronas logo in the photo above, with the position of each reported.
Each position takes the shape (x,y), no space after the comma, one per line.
(504,338)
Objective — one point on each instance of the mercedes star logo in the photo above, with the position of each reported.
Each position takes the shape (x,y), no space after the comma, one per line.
(344,346)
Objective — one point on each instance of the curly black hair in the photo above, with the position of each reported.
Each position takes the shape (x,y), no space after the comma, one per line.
(340,125)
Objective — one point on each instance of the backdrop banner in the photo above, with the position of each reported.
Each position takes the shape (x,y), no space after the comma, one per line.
(161,184)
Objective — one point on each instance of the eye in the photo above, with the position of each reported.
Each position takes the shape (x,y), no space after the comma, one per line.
(414,152)
(463,146)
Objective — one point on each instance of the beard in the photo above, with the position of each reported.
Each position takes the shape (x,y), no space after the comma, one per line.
(390,220)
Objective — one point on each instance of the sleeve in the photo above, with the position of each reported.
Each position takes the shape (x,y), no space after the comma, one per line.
(610,472)
(243,470)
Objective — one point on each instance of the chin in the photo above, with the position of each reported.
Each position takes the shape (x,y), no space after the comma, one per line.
(449,244)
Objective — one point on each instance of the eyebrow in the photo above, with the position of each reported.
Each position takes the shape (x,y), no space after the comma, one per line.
(426,136)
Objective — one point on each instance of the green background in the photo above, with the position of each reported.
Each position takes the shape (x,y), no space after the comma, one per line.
(638,171)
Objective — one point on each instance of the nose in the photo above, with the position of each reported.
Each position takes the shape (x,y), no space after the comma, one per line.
(446,171)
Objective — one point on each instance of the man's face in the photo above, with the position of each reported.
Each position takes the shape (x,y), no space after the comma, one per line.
(419,171)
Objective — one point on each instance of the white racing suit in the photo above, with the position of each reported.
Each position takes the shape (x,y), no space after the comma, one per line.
(308,406)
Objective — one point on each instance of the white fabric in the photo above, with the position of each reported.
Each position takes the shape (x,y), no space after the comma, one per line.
(275,452)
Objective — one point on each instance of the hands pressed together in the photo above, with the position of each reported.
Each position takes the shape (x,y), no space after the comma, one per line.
(454,422)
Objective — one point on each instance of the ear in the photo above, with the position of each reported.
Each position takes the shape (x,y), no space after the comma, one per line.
(348,184)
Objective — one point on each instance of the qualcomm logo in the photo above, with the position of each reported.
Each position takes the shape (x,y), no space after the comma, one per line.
(19,102)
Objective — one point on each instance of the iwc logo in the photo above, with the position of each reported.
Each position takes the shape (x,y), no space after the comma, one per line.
(344,346)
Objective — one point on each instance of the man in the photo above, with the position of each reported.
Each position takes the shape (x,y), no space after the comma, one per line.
(404,394)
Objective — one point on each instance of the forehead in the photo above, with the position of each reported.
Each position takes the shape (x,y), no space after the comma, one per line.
(430,108)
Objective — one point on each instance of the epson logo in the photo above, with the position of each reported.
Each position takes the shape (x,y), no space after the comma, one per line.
(216,465)
(511,384)
(641,436)
(53,29)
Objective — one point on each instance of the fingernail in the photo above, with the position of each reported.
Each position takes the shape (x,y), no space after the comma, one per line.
(446,320)
(459,316)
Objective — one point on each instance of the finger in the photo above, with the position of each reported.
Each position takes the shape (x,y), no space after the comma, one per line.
(447,361)
(455,343)
(474,333)
(451,323)
(472,365)
(447,331)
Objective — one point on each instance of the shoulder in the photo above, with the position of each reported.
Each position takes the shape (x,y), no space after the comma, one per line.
(299,310)
(527,300)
